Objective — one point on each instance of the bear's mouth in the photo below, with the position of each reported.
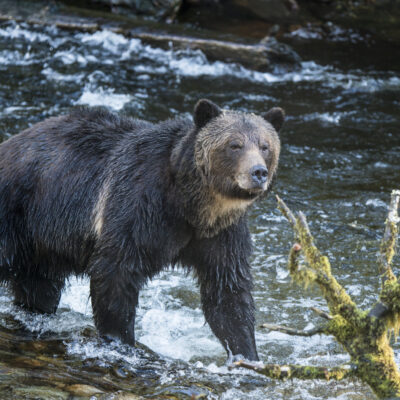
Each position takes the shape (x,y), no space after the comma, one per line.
(247,194)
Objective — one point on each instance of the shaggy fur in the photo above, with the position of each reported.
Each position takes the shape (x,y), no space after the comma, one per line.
(120,199)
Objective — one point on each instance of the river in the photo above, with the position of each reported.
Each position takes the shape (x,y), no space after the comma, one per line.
(340,160)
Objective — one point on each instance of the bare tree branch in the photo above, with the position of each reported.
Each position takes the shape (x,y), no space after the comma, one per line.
(285,210)
(321,313)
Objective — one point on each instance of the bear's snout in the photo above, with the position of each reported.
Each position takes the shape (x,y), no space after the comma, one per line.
(259,174)
(252,174)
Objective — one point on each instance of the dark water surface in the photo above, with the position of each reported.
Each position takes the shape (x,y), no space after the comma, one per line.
(340,160)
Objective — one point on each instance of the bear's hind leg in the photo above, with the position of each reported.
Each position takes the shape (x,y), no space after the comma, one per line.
(114,291)
(36,293)
(114,311)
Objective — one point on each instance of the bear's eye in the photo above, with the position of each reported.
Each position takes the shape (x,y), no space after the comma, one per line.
(235,146)
(264,147)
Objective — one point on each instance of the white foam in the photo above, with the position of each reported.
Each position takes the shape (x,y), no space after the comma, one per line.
(68,58)
(380,164)
(65,320)
(171,328)
(56,76)
(103,97)
(376,203)
(107,39)
(16,31)
(332,118)
(8,57)
(179,333)
(75,296)
(111,352)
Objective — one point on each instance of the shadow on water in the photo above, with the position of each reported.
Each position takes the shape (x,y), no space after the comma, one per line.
(340,160)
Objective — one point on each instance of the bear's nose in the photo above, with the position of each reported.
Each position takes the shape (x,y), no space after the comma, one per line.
(259,174)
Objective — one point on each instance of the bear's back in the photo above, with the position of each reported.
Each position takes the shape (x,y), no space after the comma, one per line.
(97,130)
(92,132)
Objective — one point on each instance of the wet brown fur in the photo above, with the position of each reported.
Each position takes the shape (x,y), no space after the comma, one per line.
(120,199)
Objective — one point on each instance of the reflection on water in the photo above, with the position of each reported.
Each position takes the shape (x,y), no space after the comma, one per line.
(340,160)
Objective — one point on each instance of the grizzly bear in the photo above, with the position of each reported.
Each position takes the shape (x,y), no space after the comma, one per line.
(119,199)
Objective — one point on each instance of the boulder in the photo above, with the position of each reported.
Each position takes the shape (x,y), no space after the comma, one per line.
(270,10)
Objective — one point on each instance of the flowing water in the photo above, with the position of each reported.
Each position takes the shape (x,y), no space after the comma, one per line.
(340,160)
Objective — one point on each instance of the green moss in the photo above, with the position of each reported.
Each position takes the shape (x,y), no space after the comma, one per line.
(304,277)
(341,329)
(284,372)
(390,295)
(388,250)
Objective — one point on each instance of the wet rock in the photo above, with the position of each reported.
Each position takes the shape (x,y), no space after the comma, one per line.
(160,9)
(83,390)
(41,392)
(270,10)
(125,396)
(380,18)
(280,53)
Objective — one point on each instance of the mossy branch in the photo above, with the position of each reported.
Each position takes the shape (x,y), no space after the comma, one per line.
(291,371)
(388,306)
(388,244)
(295,332)
(365,335)
(318,269)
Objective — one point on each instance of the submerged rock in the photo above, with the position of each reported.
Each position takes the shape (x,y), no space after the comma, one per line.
(380,18)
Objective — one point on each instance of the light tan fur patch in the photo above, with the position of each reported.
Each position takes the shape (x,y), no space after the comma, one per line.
(98,210)
(223,206)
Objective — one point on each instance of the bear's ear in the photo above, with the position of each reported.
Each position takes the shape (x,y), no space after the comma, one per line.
(205,111)
(275,116)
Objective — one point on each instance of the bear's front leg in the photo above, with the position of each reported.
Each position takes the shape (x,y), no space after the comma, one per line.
(223,271)
(114,292)
(230,314)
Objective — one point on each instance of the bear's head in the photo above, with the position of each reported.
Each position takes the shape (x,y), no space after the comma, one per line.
(237,153)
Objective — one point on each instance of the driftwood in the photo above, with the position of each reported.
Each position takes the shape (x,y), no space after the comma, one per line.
(364,334)
(261,56)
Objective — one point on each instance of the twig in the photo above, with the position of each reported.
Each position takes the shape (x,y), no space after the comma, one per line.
(321,313)
(294,332)
(285,210)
